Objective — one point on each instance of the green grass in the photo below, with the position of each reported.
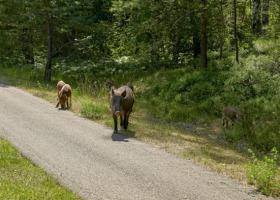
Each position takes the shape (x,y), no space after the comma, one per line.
(20,179)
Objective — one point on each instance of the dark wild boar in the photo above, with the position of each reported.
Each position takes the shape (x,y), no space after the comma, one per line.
(121,103)
(65,95)
(230,114)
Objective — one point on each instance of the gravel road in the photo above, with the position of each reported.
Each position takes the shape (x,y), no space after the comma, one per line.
(87,158)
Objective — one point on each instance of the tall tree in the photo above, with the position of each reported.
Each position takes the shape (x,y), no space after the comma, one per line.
(194,19)
(265,13)
(256,17)
(46,6)
(203,34)
(235,30)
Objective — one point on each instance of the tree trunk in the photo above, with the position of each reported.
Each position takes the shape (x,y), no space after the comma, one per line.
(265,16)
(203,35)
(195,29)
(221,30)
(256,16)
(47,75)
(27,46)
(235,31)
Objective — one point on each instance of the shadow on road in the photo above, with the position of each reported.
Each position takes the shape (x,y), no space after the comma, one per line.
(116,137)
(63,109)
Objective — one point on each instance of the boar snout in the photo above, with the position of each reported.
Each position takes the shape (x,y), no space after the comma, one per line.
(117,113)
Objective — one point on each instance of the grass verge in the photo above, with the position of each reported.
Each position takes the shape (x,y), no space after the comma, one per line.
(20,179)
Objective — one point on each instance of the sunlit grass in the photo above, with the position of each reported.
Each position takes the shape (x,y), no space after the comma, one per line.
(20,179)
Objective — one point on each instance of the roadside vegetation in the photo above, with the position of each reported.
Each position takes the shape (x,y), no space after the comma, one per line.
(20,179)
(186,59)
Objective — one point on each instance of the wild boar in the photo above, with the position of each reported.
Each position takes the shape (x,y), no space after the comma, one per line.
(59,86)
(121,103)
(230,114)
(65,95)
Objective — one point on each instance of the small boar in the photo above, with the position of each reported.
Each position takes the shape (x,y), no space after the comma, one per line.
(65,95)
(59,86)
(121,103)
(230,114)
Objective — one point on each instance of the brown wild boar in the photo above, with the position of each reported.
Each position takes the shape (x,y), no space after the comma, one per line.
(230,114)
(59,86)
(65,95)
(121,103)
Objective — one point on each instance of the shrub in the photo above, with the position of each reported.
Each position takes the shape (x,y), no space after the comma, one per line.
(92,111)
(262,173)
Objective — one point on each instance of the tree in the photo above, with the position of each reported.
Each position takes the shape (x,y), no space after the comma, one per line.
(203,34)
(49,27)
(235,30)
(256,17)
(194,20)
(265,14)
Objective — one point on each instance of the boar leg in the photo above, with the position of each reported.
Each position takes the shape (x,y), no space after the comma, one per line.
(67,102)
(57,104)
(121,122)
(126,121)
(227,123)
(115,124)
(70,100)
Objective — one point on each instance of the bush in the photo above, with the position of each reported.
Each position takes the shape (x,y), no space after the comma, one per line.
(92,111)
(263,172)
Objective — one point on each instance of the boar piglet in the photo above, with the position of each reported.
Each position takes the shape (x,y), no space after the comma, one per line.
(121,103)
(59,86)
(65,96)
(230,114)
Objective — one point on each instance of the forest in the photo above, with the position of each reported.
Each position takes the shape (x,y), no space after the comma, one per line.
(188,59)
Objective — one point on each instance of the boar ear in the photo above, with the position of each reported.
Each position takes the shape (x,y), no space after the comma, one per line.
(124,94)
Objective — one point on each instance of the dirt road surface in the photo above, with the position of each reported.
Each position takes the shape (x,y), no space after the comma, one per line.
(87,158)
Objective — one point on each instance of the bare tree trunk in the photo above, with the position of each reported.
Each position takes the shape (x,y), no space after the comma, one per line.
(27,46)
(195,29)
(221,30)
(203,35)
(256,16)
(235,31)
(47,75)
(265,9)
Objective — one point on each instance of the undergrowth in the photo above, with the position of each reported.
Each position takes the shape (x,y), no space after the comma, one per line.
(263,173)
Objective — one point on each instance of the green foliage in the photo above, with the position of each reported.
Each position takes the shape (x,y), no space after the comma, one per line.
(253,86)
(92,111)
(263,172)
(183,94)
(20,179)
